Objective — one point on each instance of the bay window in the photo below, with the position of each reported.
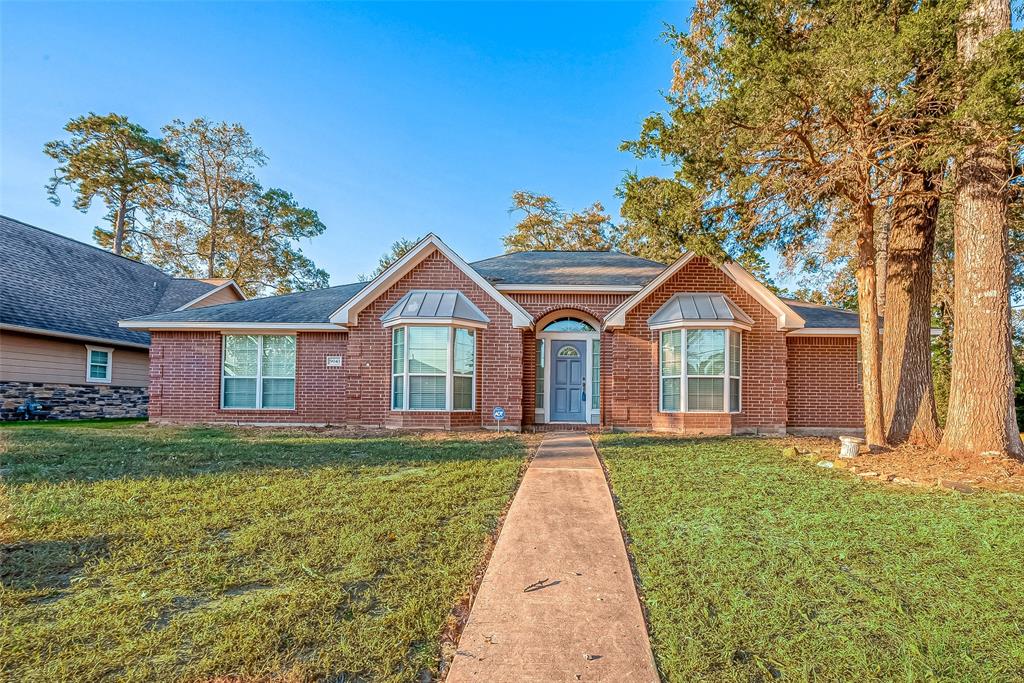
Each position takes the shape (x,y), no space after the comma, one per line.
(700,370)
(433,368)
(258,371)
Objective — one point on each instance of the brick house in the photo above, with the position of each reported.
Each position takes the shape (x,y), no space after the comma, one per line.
(560,338)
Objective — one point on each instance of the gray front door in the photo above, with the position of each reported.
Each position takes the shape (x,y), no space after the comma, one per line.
(568,381)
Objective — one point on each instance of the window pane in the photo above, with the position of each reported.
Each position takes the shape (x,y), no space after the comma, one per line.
(239,393)
(705,353)
(595,392)
(462,398)
(278,357)
(426,393)
(240,355)
(705,393)
(734,395)
(279,393)
(735,354)
(568,325)
(540,373)
(398,351)
(670,394)
(398,392)
(428,350)
(98,357)
(465,351)
(671,353)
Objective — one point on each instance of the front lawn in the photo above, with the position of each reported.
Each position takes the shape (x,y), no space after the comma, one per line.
(138,553)
(756,568)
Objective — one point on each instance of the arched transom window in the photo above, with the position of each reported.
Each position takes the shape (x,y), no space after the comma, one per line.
(568,325)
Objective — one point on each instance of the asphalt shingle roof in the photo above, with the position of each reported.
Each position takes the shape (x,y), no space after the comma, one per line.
(817,315)
(608,268)
(612,268)
(55,283)
(314,306)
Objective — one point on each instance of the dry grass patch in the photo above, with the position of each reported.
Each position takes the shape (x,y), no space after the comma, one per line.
(140,553)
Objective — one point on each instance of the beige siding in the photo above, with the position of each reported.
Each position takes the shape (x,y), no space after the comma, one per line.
(225,296)
(31,358)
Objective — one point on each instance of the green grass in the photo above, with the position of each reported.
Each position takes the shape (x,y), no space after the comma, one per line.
(757,568)
(143,554)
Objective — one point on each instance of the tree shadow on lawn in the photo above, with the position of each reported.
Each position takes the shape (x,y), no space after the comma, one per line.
(44,565)
(54,456)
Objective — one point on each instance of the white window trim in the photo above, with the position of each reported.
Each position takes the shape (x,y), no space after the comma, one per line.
(89,348)
(259,373)
(593,414)
(684,377)
(449,375)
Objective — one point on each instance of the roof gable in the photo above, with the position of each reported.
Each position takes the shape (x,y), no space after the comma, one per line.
(787,318)
(348,313)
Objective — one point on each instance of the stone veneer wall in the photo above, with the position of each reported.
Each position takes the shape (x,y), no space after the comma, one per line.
(74,401)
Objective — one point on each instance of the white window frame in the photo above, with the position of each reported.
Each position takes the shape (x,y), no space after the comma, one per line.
(684,376)
(449,375)
(259,372)
(106,379)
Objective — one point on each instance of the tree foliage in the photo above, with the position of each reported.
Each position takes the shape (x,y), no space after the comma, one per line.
(107,157)
(221,223)
(399,248)
(544,225)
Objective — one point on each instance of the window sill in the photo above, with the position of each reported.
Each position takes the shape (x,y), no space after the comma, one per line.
(700,412)
(440,410)
(257,410)
(89,380)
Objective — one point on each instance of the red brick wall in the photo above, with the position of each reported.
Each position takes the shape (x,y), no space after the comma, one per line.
(541,304)
(802,381)
(824,383)
(185,368)
(184,380)
(633,395)
(499,379)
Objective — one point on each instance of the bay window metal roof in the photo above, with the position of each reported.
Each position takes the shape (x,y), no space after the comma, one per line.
(435,305)
(694,308)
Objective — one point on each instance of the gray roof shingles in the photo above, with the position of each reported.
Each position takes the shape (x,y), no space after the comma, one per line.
(54,283)
(612,268)
(608,268)
(818,315)
(314,306)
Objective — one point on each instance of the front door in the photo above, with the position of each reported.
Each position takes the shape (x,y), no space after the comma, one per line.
(568,383)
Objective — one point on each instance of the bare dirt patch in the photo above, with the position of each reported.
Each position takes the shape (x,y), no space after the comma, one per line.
(916,465)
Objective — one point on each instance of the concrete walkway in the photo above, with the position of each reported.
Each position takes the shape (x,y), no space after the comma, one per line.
(557,602)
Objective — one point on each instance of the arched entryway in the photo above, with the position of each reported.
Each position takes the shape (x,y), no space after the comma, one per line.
(568,368)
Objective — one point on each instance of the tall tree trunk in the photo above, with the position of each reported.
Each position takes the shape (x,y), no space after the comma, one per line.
(122,210)
(981,412)
(211,257)
(867,307)
(907,389)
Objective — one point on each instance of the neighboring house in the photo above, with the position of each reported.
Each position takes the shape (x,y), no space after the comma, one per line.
(60,303)
(554,338)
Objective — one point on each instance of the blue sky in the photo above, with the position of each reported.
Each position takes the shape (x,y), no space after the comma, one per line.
(390,120)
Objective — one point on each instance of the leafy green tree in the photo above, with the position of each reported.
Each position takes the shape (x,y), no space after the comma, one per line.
(221,223)
(544,225)
(399,248)
(107,157)
(789,122)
